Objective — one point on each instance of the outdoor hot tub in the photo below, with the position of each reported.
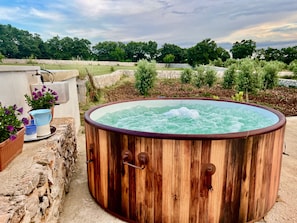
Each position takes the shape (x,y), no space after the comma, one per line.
(149,174)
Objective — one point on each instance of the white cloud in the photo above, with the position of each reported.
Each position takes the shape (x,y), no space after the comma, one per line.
(10,14)
(48,15)
(282,29)
(171,21)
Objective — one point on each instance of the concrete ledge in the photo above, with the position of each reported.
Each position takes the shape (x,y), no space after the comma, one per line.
(33,186)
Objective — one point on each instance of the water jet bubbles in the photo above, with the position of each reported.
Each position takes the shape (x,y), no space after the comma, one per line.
(183,112)
(201,117)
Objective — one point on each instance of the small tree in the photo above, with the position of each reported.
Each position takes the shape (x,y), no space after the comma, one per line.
(230,76)
(186,76)
(145,76)
(293,67)
(248,79)
(270,79)
(199,77)
(210,77)
(169,58)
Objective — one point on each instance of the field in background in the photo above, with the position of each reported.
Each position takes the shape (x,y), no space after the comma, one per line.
(93,67)
(83,69)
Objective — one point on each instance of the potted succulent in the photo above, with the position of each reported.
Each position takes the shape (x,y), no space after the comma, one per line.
(11,133)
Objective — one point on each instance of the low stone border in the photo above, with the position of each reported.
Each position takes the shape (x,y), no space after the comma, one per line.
(38,196)
(287,82)
(107,80)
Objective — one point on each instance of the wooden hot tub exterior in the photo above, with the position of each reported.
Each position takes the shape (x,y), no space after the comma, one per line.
(203,178)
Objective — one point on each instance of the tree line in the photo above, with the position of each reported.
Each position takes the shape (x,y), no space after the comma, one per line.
(20,44)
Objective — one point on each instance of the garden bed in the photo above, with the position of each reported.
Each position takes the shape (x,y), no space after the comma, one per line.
(281,98)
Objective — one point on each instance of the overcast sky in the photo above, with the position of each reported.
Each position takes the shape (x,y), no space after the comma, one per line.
(182,22)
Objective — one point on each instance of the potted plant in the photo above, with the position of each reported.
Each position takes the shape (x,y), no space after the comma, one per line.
(11,133)
(42,99)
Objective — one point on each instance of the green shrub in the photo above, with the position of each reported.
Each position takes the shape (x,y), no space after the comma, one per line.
(248,79)
(270,78)
(229,62)
(186,76)
(230,76)
(238,96)
(199,77)
(204,76)
(145,76)
(218,62)
(293,67)
(210,77)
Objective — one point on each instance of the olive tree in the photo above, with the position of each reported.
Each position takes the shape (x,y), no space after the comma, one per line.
(248,79)
(145,76)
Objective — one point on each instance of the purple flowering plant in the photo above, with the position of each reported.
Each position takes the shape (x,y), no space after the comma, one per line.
(10,122)
(42,98)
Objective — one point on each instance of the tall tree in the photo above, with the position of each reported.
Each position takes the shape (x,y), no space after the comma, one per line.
(289,54)
(223,54)
(243,49)
(54,48)
(203,52)
(151,48)
(178,53)
(141,50)
(15,43)
(106,51)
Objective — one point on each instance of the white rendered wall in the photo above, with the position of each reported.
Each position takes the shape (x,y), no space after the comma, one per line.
(15,82)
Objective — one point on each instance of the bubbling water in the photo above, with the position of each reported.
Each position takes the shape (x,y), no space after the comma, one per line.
(190,118)
(183,112)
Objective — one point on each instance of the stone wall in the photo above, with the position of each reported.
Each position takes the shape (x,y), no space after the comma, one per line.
(38,193)
(288,82)
(107,80)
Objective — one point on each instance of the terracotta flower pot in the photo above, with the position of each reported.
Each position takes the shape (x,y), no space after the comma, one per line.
(9,149)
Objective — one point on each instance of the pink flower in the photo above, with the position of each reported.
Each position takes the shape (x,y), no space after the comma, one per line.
(20,110)
(12,137)
(10,128)
(25,121)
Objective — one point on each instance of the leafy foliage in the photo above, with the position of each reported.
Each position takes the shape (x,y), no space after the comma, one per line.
(199,77)
(21,44)
(230,77)
(9,122)
(248,78)
(243,49)
(238,96)
(203,52)
(169,58)
(186,76)
(210,77)
(293,67)
(1,57)
(270,78)
(179,54)
(145,76)
(44,98)
(204,77)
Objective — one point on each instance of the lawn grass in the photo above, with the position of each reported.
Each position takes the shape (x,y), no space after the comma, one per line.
(83,68)
(92,69)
